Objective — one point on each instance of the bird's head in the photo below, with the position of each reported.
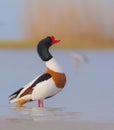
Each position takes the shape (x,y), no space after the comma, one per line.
(44,45)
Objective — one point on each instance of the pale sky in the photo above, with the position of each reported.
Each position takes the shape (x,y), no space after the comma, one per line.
(10,19)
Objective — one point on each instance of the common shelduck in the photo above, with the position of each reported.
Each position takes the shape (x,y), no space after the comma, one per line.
(46,85)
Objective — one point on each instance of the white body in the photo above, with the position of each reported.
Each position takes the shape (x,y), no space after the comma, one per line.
(43,89)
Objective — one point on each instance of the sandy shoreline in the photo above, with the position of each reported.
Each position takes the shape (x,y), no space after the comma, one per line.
(17,124)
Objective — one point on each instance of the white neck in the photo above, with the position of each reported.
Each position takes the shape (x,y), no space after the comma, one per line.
(53,65)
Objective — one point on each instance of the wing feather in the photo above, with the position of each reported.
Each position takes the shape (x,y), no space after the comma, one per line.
(27,89)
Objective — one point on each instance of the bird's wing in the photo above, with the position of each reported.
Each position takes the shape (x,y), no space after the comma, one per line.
(27,89)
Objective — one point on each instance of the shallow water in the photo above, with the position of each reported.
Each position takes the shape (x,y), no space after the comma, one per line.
(88,95)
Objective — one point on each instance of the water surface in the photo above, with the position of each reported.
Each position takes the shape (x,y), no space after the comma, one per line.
(88,95)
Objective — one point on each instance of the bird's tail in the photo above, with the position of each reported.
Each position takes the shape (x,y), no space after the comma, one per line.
(14,95)
(14,98)
(21,101)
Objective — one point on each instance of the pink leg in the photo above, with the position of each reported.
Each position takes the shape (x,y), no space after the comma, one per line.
(40,103)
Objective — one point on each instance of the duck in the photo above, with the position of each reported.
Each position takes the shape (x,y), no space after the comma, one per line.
(46,85)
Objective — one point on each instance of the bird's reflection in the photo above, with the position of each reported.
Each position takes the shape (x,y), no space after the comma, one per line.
(43,114)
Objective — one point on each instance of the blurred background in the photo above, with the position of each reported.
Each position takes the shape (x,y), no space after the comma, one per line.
(78,23)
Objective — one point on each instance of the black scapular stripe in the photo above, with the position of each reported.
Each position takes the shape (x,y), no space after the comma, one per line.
(42,78)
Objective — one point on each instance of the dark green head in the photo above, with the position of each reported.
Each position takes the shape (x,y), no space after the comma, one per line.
(43,47)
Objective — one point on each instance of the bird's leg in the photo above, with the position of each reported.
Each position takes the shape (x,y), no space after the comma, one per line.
(40,103)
